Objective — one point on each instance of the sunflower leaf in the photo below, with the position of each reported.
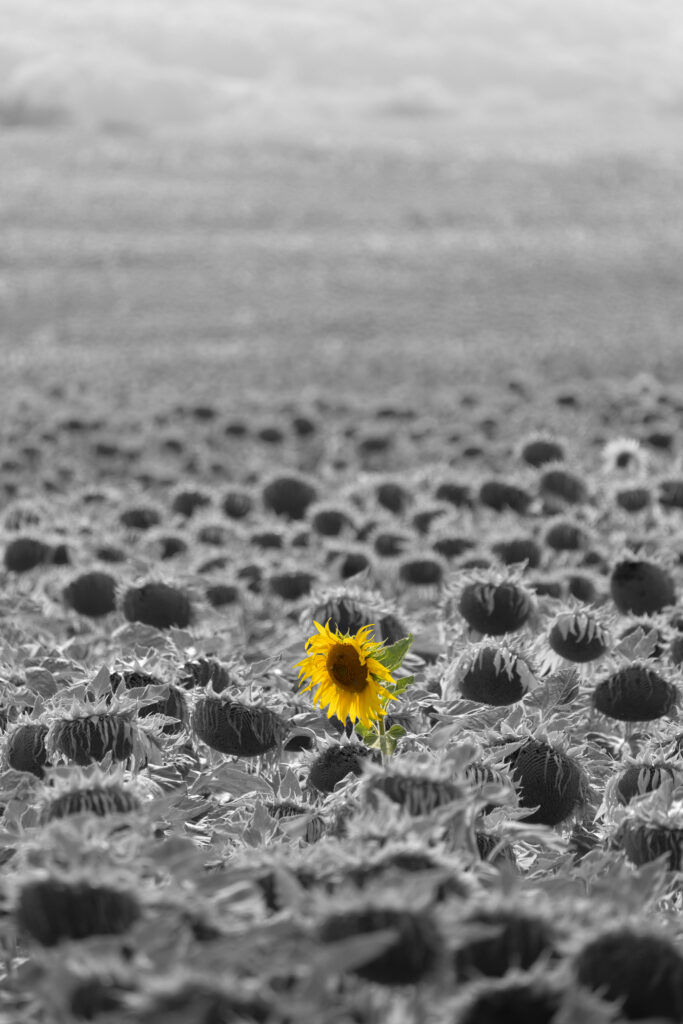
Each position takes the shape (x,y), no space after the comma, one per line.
(387,744)
(397,688)
(391,657)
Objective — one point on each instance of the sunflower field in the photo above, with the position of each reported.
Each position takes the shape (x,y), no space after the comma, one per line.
(342,711)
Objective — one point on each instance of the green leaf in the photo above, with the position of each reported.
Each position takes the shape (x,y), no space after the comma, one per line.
(387,744)
(365,733)
(391,657)
(397,688)
(396,731)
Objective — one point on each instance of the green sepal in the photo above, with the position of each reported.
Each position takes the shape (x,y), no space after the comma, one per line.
(391,657)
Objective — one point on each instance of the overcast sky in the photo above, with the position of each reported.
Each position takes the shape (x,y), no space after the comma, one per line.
(559,75)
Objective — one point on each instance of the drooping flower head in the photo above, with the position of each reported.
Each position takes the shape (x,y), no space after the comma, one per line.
(346,675)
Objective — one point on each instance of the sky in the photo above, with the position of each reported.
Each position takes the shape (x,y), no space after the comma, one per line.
(565,75)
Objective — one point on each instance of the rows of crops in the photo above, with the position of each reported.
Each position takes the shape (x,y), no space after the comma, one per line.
(493,834)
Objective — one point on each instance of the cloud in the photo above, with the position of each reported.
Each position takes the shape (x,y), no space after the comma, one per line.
(418,97)
(572,66)
(99,90)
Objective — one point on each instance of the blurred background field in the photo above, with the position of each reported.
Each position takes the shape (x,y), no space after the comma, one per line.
(350,195)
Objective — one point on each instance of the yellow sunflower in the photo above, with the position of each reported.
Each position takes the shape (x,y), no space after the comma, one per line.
(348,679)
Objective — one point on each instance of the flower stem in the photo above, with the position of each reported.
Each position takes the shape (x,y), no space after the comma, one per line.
(380,733)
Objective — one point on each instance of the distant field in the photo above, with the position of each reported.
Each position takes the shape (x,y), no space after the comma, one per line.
(285,263)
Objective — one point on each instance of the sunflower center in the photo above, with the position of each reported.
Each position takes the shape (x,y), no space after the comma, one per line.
(344,665)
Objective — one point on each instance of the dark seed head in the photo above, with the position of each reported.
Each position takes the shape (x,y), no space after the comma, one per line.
(186,503)
(388,544)
(234,728)
(500,495)
(452,545)
(351,563)
(412,955)
(288,496)
(454,493)
(25,553)
(173,705)
(577,637)
(563,535)
(540,451)
(157,604)
(548,780)
(418,795)
(334,764)
(271,434)
(110,553)
(494,609)
(635,693)
(546,586)
(515,940)
(518,549)
(291,586)
(214,534)
(205,671)
(88,739)
(221,594)
(170,546)
(643,843)
(633,499)
(671,493)
(560,483)
(26,750)
(98,800)
(641,588)
(641,778)
(423,519)
(304,425)
(582,587)
(52,910)
(92,594)
(237,503)
(59,555)
(330,521)
(393,496)
(267,540)
(520,1002)
(236,428)
(299,741)
(343,613)
(141,518)
(643,973)
(421,572)
(494,678)
(392,629)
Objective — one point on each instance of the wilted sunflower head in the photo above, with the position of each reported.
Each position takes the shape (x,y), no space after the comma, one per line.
(577,636)
(346,675)
(73,789)
(351,606)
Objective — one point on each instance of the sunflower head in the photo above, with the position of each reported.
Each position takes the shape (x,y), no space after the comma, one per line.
(624,456)
(345,674)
